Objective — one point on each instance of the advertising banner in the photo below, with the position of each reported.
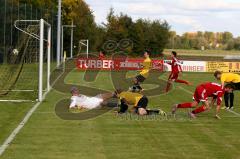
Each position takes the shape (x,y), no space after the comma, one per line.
(223,66)
(160,65)
(116,64)
(188,66)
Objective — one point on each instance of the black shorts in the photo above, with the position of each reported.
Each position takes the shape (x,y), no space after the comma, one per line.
(142,103)
(140,78)
(236,86)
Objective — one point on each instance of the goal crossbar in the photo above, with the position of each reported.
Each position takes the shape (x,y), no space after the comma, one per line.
(30,34)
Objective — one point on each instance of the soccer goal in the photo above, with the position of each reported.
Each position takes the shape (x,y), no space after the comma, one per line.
(25,75)
(84,43)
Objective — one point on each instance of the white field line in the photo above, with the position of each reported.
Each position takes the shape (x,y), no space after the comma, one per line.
(23,90)
(17,101)
(11,137)
(231,111)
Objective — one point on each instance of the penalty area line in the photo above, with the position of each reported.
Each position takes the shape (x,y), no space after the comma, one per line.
(230,111)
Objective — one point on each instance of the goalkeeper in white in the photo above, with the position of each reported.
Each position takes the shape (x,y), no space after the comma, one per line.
(79,101)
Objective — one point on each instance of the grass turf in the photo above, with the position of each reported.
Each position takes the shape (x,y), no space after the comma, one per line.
(109,136)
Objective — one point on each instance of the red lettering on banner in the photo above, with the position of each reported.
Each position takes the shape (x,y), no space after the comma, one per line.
(94,64)
(116,64)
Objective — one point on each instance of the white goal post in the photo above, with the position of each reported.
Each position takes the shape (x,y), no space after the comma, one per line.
(84,42)
(43,25)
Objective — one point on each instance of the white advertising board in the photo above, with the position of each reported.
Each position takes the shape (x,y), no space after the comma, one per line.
(188,66)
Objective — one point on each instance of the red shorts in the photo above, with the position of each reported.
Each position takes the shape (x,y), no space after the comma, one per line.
(173,76)
(200,94)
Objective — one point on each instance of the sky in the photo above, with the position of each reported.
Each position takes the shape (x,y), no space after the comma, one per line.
(182,15)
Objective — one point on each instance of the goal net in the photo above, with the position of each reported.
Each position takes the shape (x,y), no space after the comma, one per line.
(25,75)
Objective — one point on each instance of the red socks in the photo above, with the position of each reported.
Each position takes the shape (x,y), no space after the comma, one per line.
(189,105)
(185,105)
(199,110)
(182,81)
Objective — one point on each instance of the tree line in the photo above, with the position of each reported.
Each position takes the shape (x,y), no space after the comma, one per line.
(204,40)
(142,34)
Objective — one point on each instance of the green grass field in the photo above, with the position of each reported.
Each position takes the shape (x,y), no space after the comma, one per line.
(45,135)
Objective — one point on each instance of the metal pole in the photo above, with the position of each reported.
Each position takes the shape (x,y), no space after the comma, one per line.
(71,55)
(87,48)
(59,31)
(62,38)
(11,24)
(40,81)
(49,59)
(61,55)
(4,30)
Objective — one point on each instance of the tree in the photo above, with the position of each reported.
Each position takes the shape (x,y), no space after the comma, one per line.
(210,40)
(138,36)
(230,44)
(82,16)
(226,37)
(237,43)
(209,36)
(145,34)
(160,36)
(172,39)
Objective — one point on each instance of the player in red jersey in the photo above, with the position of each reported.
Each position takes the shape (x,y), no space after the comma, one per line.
(176,69)
(101,55)
(202,93)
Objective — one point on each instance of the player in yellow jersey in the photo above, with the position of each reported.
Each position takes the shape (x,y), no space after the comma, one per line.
(144,73)
(138,102)
(231,78)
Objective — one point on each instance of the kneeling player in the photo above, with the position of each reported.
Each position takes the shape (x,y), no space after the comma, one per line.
(138,100)
(80,101)
(201,94)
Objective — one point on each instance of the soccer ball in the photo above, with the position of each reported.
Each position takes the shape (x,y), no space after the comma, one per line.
(135,89)
(15,51)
